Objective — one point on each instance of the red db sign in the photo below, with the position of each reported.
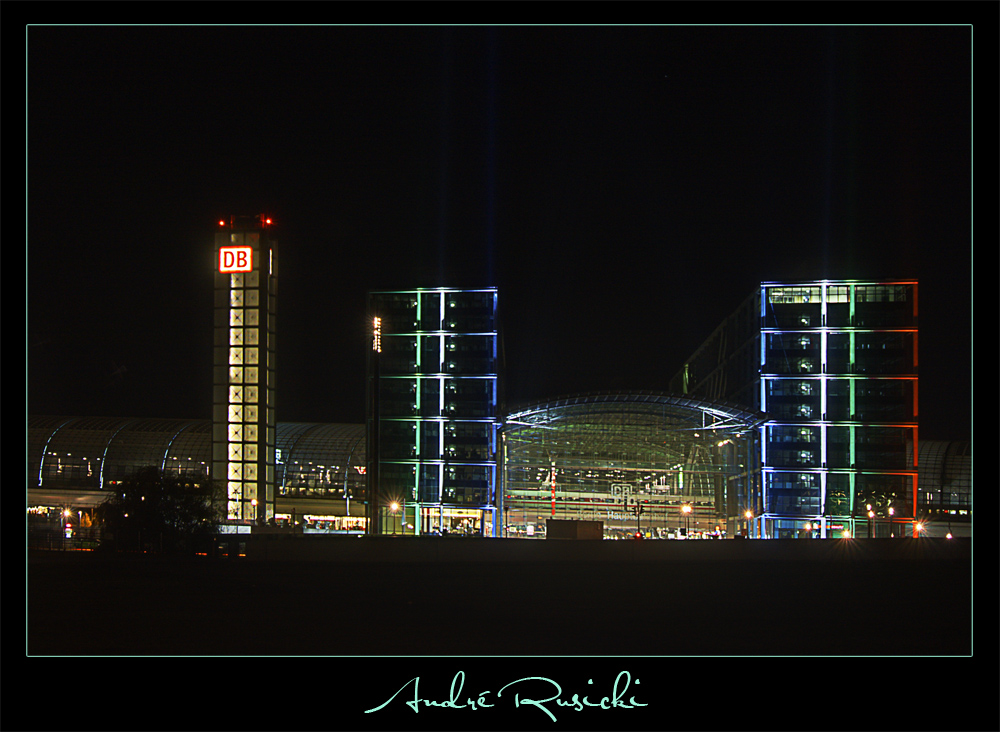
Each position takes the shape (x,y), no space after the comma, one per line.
(235,259)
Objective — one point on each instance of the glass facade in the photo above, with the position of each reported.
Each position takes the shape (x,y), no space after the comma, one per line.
(944,499)
(432,412)
(608,456)
(95,452)
(243,416)
(319,471)
(637,462)
(833,365)
(797,418)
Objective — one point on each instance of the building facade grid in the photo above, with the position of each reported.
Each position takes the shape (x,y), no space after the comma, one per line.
(243,408)
(433,392)
(833,365)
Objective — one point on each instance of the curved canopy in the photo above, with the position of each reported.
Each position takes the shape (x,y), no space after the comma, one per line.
(696,413)
(90,452)
(597,444)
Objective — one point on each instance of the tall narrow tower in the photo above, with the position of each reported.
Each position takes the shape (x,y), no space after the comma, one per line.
(433,371)
(243,419)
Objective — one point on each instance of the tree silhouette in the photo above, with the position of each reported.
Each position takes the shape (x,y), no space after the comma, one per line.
(150,511)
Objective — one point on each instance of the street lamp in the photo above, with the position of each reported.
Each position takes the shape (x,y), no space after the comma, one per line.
(749,518)
(394,507)
(892,511)
(66,526)
(686,511)
(638,510)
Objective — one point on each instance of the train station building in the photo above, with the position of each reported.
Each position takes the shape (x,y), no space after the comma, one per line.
(798,417)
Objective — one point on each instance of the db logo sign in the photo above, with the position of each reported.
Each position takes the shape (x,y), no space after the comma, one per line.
(235,259)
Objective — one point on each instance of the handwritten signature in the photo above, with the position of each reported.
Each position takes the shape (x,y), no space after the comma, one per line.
(537,700)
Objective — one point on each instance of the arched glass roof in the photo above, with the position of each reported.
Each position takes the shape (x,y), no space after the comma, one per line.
(695,413)
(90,452)
(321,459)
(594,442)
(945,474)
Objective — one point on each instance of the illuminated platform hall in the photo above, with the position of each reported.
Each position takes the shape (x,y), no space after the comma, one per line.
(74,461)
(641,463)
(610,455)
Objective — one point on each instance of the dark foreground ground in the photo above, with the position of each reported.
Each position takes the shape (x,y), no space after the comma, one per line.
(704,635)
(910,597)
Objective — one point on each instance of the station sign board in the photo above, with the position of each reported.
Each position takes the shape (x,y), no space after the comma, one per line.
(235,259)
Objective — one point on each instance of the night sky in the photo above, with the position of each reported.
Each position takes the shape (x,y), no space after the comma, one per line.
(625,188)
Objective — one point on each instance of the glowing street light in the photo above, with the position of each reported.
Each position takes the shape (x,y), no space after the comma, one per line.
(686,511)
(394,507)
(67,524)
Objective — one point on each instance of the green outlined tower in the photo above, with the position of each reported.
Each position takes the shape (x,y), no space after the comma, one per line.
(432,419)
(243,416)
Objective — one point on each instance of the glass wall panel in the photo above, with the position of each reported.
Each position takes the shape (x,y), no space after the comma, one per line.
(838,494)
(884,353)
(792,494)
(885,491)
(791,399)
(792,307)
(884,400)
(398,481)
(793,446)
(792,353)
(839,354)
(884,447)
(880,306)
(839,402)
(839,447)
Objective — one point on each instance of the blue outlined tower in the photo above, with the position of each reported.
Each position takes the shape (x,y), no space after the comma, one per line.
(838,364)
(833,365)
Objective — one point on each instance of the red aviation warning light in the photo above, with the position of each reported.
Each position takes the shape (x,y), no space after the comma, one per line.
(260,220)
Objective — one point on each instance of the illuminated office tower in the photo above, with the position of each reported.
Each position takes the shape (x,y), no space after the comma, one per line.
(432,412)
(243,418)
(833,366)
